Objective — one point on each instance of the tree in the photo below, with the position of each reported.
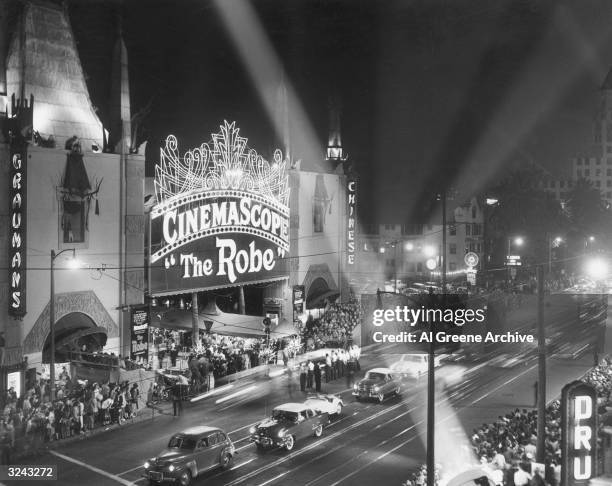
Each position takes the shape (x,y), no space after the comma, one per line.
(524,210)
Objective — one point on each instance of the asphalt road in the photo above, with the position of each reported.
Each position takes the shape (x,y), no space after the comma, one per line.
(370,443)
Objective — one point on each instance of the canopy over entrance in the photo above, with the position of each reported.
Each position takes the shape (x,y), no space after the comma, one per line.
(72,331)
(222,322)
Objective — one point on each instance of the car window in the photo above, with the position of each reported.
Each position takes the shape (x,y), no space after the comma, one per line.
(222,436)
(374,376)
(212,439)
(202,443)
(309,413)
(181,442)
(284,415)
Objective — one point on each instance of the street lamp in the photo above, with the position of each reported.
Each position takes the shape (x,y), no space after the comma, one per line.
(556,242)
(73,264)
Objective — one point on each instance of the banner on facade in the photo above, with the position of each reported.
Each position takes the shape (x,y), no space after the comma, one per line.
(17,227)
(351,221)
(139,332)
(221,218)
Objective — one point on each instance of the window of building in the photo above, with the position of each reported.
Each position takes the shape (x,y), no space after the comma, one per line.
(419,267)
(609,183)
(609,172)
(452,266)
(468,230)
(452,248)
(587,172)
(473,212)
(597,183)
(476,229)
(598,172)
(452,230)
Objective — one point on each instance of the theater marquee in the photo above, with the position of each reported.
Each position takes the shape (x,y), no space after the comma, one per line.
(221,218)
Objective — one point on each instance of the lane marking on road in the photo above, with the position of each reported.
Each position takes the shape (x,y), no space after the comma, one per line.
(129,470)
(92,468)
(503,384)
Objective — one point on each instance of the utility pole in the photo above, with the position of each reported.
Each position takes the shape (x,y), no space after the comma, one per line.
(444,242)
(541,386)
(431,397)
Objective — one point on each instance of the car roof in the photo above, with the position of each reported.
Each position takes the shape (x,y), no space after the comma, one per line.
(292,407)
(199,430)
(381,370)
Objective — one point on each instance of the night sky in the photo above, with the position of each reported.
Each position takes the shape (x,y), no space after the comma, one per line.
(435,93)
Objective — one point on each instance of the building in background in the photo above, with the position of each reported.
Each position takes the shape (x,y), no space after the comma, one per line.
(413,252)
(77,193)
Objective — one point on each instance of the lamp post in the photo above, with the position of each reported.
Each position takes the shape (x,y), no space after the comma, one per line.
(556,241)
(52,319)
(518,241)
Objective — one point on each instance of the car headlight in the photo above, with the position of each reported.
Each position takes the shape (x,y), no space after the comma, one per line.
(355,386)
(282,432)
(252,430)
(376,389)
(147,465)
(171,467)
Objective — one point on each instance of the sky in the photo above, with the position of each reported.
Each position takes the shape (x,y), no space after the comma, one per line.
(435,94)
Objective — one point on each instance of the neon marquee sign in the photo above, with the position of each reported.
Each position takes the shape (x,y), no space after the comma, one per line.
(17,229)
(221,218)
(579,434)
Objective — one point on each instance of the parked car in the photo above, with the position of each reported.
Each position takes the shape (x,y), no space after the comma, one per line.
(190,453)
(289,423)
(378,383)
(330,404)
(413,366)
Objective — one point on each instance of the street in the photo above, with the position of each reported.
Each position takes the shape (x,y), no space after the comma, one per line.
(370,443)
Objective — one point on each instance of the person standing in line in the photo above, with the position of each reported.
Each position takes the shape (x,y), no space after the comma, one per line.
(350,374)
(303,374)
(289,379)
(176,400)
(328,365)
(310,376)
(317,377)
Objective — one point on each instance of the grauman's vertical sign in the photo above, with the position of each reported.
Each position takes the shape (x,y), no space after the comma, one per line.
(17,228)
(221,218)
(350,235)
(578,434)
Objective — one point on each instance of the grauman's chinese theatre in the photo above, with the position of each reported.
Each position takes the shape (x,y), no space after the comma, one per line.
(64,184)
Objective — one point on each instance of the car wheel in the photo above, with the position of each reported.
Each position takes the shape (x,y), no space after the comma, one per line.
(226,460)
(289,443)
(338,409)
(185,478)
(318,432)
(381,397)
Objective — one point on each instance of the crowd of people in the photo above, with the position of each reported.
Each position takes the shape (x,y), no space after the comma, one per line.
(33,419)
(507,447)
(334,327)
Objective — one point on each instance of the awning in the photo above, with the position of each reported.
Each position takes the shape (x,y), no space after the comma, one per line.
(223,322)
